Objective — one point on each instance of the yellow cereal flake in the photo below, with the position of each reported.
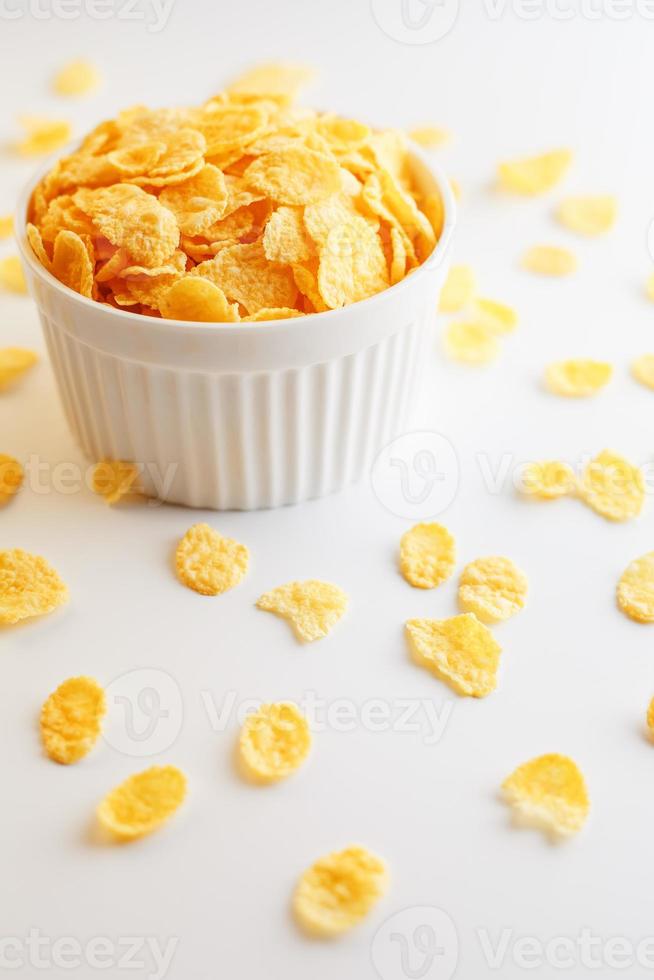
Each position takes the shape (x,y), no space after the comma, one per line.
(427,555)
(43,135)
(245,276)
(276,80)
(133,219)
(275,740)
(29,586)
(590,215)
(14,362)
(471,341)
(650,718)
(534,175)
(636,589)
(6,225)
(502,318)
(143,803)
(549,260)
(577,378)
(11,275)
(76,78)
(548,479)
(459,289)
(549,792)
(613,487)
(208,563)
(284,238)
(71,719)
(199,202)
(272,313)
(429,136)
(312,607)
(339,890)
(71,263)
(114,479)
(492,588)
(352,264)
(461,651)
(297,175)
(11,478)
(642,369)
(197,298)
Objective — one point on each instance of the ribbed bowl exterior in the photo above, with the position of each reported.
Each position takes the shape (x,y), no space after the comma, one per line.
(239,441)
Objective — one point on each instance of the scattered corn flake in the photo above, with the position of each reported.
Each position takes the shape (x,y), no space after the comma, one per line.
(459,289)
(276,80)
(71,263)
(6,225)
(549,792)
(501,317)
(275,740)
(590,215)
(208,563)
(11,275)
(14,362)
(650,718)
(76,78)
(71,719)
(534,175)
(613,487)
(429,136)
(29,586)
(577,378)
(549,260)
(642,369)
(352,264)
(471,341)
(297,175)
(43,135)
(197,298)
(636,589)
(461,651)
(492,588)
(113,479)
(11,478)
(339,890)
(427,555)
(312,607)
(548,479)
(143,802)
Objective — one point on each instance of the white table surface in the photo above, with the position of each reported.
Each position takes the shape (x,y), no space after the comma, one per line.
(576,675)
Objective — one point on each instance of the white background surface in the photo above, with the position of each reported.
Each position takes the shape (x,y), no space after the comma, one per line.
(576,675)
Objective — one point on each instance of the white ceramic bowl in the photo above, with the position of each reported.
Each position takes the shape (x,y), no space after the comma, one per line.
(242,416)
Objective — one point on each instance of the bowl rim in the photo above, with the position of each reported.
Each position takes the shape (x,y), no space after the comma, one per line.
(290,324)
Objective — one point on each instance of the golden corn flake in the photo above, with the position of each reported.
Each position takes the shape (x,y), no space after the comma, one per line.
(427,555)
(592,215)
(76,78)
(548,479)
(199,202)
(613,487)
(14,362)
(461,651)
(71,263)
(549,260)
(459,289)
(429,136)
(339,890)
(352,264)
(312,607)
(294,176)
(549,792)
(577,379)
(272,313)
(492,588)
(276,80)
(208,563)
(114,479)
(71,719)
(642,369)
(131,218)
(6,225)
(11,275)
(502,318)
(11,478)
(245,275)
(650,718)
(285,239)
(143,803)
(274,741)
(197,298)
(534,175)
(471,341)
(29,586)
(43,135)
(636,589)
